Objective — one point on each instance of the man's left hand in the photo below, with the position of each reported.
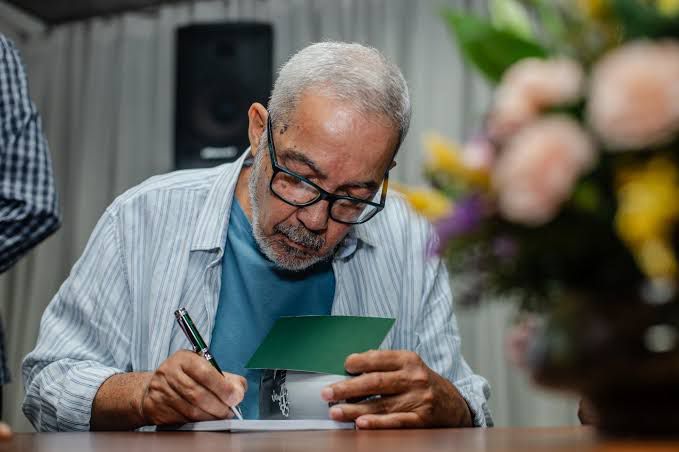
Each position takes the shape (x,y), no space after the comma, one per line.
(411,395)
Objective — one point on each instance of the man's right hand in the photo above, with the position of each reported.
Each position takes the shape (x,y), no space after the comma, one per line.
(186,388)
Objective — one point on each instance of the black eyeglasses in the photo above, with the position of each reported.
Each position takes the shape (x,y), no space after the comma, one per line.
(299,191)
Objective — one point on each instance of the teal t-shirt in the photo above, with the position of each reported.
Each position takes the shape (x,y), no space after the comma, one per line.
(254,294)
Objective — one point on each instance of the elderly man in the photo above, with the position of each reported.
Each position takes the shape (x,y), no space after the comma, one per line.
(305,229)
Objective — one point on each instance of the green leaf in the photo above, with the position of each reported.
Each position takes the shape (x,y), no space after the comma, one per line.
(512,16)
(587,197)
(640,20)
(490,49)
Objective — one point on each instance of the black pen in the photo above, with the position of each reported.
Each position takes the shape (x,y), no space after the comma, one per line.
(199,345)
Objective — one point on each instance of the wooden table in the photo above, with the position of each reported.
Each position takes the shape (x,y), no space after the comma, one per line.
(580,439)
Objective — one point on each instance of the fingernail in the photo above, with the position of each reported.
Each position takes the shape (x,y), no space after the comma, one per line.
(361,423)
(336,413)
(327,394)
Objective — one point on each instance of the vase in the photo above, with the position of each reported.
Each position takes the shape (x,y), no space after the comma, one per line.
(622,357)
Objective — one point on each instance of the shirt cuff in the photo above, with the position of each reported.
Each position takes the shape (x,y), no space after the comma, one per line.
(75,404)
(478,407)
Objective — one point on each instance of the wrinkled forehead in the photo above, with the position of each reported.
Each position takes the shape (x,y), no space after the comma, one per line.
(337,136)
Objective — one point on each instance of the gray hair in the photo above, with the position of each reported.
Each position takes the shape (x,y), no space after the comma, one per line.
(351,73)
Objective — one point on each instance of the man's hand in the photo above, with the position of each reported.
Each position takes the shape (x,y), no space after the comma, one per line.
(186,388)
(411,394)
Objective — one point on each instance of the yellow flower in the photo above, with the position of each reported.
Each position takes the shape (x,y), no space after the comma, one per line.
(432,204)
(445,157)
(647,200)
(595,9)
(657,259)
(647,212)
(668,7)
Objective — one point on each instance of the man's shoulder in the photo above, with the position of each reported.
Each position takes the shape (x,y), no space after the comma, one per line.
(176,184)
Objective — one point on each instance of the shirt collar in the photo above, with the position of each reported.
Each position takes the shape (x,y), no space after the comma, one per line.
(213,221)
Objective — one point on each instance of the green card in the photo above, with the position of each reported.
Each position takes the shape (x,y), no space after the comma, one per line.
(318,343)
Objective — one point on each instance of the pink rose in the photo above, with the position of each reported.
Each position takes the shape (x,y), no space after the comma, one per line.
(539,167)
(478,153)
(529,87)
(634,99)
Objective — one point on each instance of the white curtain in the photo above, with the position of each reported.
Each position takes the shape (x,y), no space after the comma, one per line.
(105,90)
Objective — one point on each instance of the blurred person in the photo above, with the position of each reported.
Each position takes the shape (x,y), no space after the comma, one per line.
(299,225)
(28,200)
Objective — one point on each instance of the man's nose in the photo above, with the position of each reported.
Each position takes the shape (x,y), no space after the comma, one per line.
(315,216)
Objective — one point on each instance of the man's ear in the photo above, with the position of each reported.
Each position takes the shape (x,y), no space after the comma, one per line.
(257,116)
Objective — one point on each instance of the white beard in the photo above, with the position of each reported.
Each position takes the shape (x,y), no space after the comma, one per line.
(290,259)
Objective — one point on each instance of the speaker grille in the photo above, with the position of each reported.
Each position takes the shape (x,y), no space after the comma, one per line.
(221,70)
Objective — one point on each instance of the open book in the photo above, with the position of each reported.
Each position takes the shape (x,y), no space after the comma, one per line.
(235,425)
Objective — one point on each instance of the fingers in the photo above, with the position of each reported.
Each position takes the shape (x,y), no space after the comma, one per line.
(186,387)
(240,384)
(374,383)
(164,405)
(384,372)
(229,389)
(389,421)
(199,396)
(378,361)
(347,412)
(190,412)
(403,403)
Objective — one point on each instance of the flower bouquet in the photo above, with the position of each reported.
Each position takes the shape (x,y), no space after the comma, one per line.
(567,199)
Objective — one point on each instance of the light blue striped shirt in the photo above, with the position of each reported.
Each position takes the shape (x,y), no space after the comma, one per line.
(159,246)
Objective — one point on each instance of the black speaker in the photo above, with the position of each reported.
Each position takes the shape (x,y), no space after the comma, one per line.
(221,70)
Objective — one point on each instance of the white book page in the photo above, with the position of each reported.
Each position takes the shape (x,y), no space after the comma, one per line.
(235,425)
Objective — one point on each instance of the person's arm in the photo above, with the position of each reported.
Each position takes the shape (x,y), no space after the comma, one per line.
(85,336)
(431,386)
(28,200)
(440,343)
(411,395)
(79,375)
(185,388)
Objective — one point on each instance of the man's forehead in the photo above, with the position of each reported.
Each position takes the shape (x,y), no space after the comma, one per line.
(365,177)
(302,158)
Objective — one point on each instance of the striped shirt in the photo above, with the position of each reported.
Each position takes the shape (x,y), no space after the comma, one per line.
(28,200)
(159,247)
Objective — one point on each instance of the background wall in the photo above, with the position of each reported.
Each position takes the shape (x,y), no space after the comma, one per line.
(105,91)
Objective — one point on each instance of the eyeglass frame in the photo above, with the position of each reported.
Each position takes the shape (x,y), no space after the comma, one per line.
(322,194)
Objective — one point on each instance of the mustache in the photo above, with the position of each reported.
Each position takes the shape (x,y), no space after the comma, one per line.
(301,236)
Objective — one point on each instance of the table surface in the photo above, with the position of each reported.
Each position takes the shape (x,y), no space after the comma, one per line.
(582,439)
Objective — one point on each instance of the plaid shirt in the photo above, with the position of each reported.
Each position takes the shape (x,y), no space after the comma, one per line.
(28,201)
